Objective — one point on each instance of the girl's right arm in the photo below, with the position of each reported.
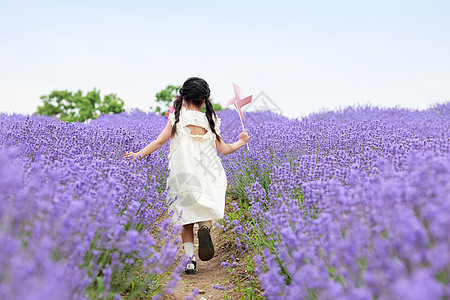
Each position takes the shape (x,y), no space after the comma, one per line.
(163,137)
(225,149)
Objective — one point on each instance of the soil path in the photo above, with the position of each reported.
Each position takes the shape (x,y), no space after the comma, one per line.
(209,273)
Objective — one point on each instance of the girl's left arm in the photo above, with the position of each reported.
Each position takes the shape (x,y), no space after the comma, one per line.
(163,137)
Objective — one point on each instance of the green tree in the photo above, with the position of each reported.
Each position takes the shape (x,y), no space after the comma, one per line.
(166,97)
(72,107)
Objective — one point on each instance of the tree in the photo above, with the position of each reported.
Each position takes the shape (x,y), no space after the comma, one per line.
(168,95)
(72,107)
(165,98)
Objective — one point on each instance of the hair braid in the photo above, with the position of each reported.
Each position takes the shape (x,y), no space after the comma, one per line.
(209,113)
(177,105)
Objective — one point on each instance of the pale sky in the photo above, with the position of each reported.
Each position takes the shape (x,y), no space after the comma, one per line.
(305,55)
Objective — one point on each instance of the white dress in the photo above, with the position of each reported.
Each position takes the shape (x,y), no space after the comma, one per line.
(197,177)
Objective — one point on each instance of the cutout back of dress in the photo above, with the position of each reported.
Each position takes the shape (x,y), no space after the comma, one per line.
(197,130)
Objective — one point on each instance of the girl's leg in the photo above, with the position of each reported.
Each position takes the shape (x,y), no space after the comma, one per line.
(187,236)
(207,223)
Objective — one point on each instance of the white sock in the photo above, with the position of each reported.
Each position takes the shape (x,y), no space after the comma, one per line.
(207,223)
(189,252)
(189,249)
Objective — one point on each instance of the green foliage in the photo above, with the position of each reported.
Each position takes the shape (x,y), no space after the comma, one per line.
(72,107)
(216,106)
(165,98)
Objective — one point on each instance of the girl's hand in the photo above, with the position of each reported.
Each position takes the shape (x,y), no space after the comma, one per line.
(133,155)
(244,136)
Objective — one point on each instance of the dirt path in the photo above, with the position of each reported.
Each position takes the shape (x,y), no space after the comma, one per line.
(210,273)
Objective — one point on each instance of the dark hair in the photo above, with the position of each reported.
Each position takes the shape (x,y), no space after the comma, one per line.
(195,90)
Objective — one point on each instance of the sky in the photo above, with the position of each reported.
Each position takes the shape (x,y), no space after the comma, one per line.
(306,56)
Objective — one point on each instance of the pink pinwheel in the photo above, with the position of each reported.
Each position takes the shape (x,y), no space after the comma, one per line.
(238,99)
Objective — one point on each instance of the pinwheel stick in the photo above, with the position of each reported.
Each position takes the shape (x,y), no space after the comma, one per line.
(235,104)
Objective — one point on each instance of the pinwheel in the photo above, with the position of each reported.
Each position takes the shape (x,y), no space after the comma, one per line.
(239,101)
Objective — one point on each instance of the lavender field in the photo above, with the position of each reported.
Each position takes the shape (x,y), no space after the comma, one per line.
(352,204)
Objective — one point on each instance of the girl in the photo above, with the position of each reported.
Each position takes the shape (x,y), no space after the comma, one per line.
(197,178)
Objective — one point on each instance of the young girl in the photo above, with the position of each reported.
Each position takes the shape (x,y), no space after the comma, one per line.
(197,177)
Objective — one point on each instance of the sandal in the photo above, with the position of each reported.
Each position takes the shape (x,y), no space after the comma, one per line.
(189,270)
(205,245)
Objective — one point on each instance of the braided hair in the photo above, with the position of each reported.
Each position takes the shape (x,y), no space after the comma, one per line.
(195,90)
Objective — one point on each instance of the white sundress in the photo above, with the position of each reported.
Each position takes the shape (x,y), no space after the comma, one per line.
(196,174)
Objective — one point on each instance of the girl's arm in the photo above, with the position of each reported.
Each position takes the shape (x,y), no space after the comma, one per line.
(163,137)
(225,149)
